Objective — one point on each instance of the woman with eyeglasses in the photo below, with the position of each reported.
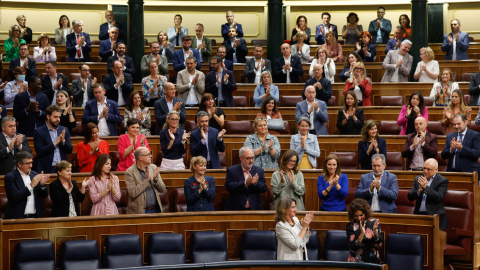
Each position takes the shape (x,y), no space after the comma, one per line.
(266,147)
(359,84)
(174,143)
(288,180)
(12,44)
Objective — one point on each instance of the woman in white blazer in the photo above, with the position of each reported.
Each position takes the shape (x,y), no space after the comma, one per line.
(292,234)
(301,49)
(44,52)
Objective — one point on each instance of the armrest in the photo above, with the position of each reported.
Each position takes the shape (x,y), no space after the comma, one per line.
(463,232)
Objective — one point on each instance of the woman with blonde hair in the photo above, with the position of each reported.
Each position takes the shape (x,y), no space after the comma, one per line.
(427,69)
(301,49)
(359,84)
(442,91)
(25,32)
(266,147)
(456,106)
(321,58)
(12,44)
(153,85)
(166,48)
(44,52)
(173,141)
(288,180)
(199,188)
(334,49)
(265,88)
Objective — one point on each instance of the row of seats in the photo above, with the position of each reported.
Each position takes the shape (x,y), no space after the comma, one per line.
(169,249)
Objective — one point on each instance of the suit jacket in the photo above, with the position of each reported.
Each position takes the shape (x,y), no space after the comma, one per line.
(137,197)
(179,60)
(290,245)
(241,51)
(474,88)
(469,154)
(295,74)
(7,160)
(461,48)
(183,79)
(105,49)
(162,66)
(385,30)
(205,53)
(430,147)
(172,36)
(90,115)
(319,37)
(103,34)
(228,65)
(323,94)
(391,44)
(29,120)
(78,92)
(197,148)
(319,119)
(59,37)
(47,87)
(434,202)
(227,88)
(386,196)
(60,198)
(161,110)
(238,193)
(31,70)
(17,194)
(129,67)
(390,62)
(112,93)
(72,51)
(225,28)
(44,147)
(250,68)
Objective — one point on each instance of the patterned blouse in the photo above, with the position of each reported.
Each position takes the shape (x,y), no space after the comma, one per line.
(367,250)
(147,84)
(103,205)
(336,51)
(447,123)
(264,160)
(146,123)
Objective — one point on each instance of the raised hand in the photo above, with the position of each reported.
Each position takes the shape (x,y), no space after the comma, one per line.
(254,179)
(3,84)
(18,140)
(416,110)
(170,133)
(291,176)
(177,106)
(142,140)
(248,181)
(399,63)
(409,109)
(225,78)
(219,78)
(264,145)
(85,182)
(302,142)
(450,39)
(221,133)
(156,173)
(375,227)
(185,135)
(282,176)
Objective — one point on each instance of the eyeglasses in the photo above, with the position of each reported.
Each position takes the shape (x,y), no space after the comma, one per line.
(86,70)
(249,158)
(174,119)
(146,155)
(292,161)
(28,163)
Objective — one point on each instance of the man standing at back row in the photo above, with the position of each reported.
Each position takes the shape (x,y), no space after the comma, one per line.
(455,44)
(398,63)
(231,23)
(256,65)
(380,28)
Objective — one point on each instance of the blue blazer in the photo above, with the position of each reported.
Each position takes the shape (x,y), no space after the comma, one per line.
(238,193)
(373,51)
(386,196)
(295,74)
(385,30)
(28,121)
(199,201)
(31,70)
(227,88)
(241,51)
(129,67)
(72,42)
(469,154)
(17,194)
(44,147)
(112,93)
(105,49)
(90,115)
(197,148)
(225,28)
(47,87)
(366,160)
(161,110)
(103,34)
(319,119)
(391,44)
(179,60)
(321,38)
(462,47)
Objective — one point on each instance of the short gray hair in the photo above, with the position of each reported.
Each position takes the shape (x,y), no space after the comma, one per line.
(379,156)
(202,114)
(8,118)
(406,41)
(240,152)
(76,22)
(304,119)
(113,28)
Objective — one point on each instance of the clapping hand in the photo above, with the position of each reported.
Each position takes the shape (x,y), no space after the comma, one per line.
(221,133)
(40,178)
(399,63)
(177,106)
(409,110)
(270,145)
(58,84)
(194,80)
(255,179)
(85,182)
(305,222)
(185,135)
(416,109)
(25,64)
(170,133)
(225,78)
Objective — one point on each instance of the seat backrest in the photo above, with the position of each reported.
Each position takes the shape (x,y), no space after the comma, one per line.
(466,77)
(165,202)
(466,98)
(223,160)
(459,208)
(80,254)
(238,127)
(259,245)
(427,101)
(166,249)
(337,247)
(442,163)
(123,203)
(78,129)
(240,101)
(260,42)
(208,247)
(350,196)
(269,199)
(47,206)
(180,200)
(436,127)
(474,126)
(286,130)
(389,128)
(391,101)
(404,206)
(115,159)
(347,160)
(190,126)
(290,101)
(404,251)
(35,255)
(332,101)
(3,204)
(313,246)
(395,161)
(123,250)
(74,76)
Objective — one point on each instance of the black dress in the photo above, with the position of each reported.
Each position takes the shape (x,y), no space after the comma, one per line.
(352,127)
(65,121)
(367,250)
(60,198)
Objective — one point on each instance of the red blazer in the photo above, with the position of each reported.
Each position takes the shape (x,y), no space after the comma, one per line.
(85,160)
(365,87)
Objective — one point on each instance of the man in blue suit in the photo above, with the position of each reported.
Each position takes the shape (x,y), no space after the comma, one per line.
(380,28)
(231,23)
(220,83)
(181,55)
(53,82)
(29,65)
(103,112)
(379,188)
(52,141)
(395,42)
(118,84)
(456,43)
(108,47)
(169,103)
(244,183)
(78,44)
(29,107)
(23,184)
(315,110)
(322,29)
(288,68)
(206,141)
(462,147)
(127,61)
(236,47)
(110,17)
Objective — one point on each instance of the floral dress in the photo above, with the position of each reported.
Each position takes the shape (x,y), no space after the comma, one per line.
(159,92)
(367,250)
(146,123)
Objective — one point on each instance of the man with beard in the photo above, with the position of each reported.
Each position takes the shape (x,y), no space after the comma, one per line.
(181,55)
(127,61)
(256,65)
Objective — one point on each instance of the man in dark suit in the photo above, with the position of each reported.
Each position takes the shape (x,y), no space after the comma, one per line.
(236,47)
(226,64)
(169,103)
(29,65)
(78,44)
(419,146)
(202,44)
(380,28)
(108,47)
(11,143)
(82,87)
(429,190)
(231,23)
(52,141)
(29,107)
(379,188)
(110,17)
(25,189)
(53,81)
(118,84)
(256,65)
(244,183)
(474,88)
(323,87)
(3,110)
(288,68)
(181,55)
(220,83)
(103,112)
(127,61)
(395,42)
(462,147)
(325,27)
(206,141)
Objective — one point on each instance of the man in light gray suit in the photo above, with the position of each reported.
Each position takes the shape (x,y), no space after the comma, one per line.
(161,60)
(191,83)
(315,110)
(256,65)
(398,63)
(82,88)
(202,44)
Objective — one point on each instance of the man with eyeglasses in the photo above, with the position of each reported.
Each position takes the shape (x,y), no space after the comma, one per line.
(29,65)
(144,184)
(244,183)
(220,83)
(82,87)
(11,143)
(25,189)
(226,64)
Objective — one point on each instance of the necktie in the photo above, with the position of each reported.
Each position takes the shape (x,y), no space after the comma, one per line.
(79,51)
(457,155)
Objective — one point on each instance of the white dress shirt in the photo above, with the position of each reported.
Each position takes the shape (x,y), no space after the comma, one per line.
(30,208)
(375,204)
(102,123)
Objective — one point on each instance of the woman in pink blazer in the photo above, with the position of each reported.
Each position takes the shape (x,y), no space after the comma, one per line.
(127,143)
(414,108)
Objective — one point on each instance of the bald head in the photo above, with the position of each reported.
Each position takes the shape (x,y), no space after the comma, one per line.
(420,124)
(317,71)
(285,48)
(430,168)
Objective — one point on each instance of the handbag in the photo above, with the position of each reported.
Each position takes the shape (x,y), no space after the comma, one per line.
(275,124)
